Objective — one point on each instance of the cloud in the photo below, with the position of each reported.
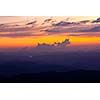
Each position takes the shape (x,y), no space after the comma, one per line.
(64,30)
(31,23)
(73,29)
(94,29)
(48,20)
(50,27)
(74,34)
(17,35)
(54,30)
(55,44)
(63,23)
(61,30)
(12,29)
(18,31)
(84,21)
(2,25)
(96,21)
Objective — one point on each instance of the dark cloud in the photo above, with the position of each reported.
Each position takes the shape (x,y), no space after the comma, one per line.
(96,21)
(54,30)
(72,29)
(48,20)
(84,21)
(55,44)
(62,30)
(31,23)
(2,25)
(63,23)
(94,29)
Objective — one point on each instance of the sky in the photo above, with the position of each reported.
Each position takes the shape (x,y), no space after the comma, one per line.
(23,31)
(9,19)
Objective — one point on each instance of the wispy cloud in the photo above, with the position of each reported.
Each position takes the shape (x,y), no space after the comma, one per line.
(16,35)
(48,20)
(94,29)
(31,23)
(84,21)
(63,23)
(96,21)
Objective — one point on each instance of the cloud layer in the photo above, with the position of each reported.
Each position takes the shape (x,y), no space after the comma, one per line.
(49,26)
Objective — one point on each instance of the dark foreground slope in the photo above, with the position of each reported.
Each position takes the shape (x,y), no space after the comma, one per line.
(79,76)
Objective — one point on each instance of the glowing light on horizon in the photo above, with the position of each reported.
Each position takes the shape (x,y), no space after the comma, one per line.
(33,41)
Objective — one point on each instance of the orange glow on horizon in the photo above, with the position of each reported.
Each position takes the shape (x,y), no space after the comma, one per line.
(85,40)
(29,41)
(33,41)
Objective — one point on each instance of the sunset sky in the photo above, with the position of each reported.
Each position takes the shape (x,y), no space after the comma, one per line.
(9,19)
(23,31)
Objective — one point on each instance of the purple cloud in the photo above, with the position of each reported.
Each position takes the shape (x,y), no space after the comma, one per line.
(63,23)
(96,21)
